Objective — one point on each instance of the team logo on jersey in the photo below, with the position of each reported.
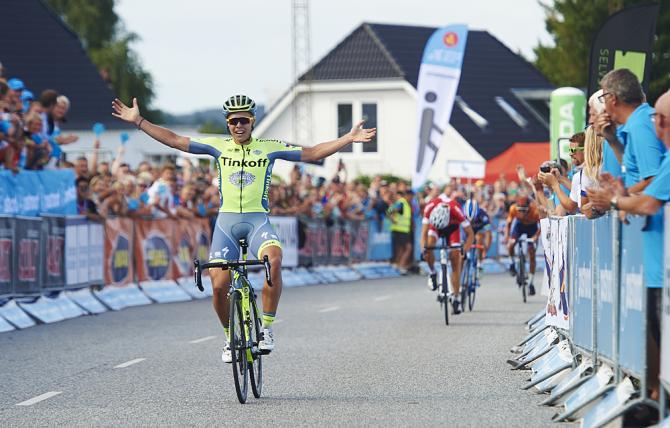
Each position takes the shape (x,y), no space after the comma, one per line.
(241,179)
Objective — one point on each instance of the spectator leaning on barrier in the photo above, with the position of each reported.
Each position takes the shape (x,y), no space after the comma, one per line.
(650,203)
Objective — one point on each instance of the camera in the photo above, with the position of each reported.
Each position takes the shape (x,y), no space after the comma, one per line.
(549,165)
(545,168)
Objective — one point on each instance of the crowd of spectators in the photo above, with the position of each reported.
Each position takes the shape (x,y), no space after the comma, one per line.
(30,127)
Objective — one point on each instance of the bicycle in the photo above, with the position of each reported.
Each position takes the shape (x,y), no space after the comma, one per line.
(445,298)
(470,277)
(244,321)
(521,274)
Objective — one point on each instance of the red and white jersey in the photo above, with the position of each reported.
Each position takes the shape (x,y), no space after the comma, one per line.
(456,216)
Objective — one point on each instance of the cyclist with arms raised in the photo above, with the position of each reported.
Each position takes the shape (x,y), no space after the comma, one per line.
(244,166)
(442,217)
(523,218)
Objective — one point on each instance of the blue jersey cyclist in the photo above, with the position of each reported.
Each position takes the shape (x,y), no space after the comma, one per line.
(244,166)
(481,225)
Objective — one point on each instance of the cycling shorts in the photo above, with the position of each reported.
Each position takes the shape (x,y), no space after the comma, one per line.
(452,232)
(230,227)
(519,229)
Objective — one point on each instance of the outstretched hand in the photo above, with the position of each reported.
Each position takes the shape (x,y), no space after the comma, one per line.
(125,113)
(362,135)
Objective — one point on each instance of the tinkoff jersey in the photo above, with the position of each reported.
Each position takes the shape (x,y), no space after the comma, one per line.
(245,171)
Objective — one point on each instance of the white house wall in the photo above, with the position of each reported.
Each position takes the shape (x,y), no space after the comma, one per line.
(396,131)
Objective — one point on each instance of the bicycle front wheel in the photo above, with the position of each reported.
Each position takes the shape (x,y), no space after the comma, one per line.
(446,290)
(256,365)
(238,344)
(522,275)
(465,281)
(472,286)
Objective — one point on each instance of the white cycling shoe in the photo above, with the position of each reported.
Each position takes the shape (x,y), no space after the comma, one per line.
(268,342)
(227,355)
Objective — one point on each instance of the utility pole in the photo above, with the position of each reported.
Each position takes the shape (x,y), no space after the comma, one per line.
(302,103)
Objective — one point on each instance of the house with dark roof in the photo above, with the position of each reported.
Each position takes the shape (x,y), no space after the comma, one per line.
(501,99)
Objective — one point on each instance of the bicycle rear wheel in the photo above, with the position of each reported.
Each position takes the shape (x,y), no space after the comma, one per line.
(465,282)
(446,291)
(256,365)
(472,285)
(522,275)
(238,348)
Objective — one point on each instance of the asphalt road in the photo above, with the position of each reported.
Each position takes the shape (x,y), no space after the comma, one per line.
(366,353)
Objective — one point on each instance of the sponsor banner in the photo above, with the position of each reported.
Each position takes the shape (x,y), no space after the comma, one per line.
(632,311)
(184,244)
(118,246)
(6,255)
(545,238)
(338,244)
(581,284)
(379,241)
(96,252)
(604,266)
(624,41)
(308,230)
(53,249)
(153,249)
(359,231)
(665,313)
(287,230)
(567,107)
(203,238)
(27,242)
(30,193)
(76,252)
(439,74)
(558,311)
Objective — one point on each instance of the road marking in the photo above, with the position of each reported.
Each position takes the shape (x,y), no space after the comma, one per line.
(39,398)
(202,339)
(129,363)
(329,309)
(382,298)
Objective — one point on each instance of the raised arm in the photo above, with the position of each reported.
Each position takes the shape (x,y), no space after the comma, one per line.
(322,150)
(158,133)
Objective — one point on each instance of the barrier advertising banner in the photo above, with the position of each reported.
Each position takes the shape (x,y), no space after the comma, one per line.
(27,242)
(558,313)
(287,230)
(439,74)
(119,266)
(76,252)
(545,238)
(184,244)
(624,41)
(53,249)
(632,337)
(379,242)
(665,313)
(30,193)
(96,253)
(338,239)
(603,264)
(359,231)
(582,284)
(153,249)
(6,255)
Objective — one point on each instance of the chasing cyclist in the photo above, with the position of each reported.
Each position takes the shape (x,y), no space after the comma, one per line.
(523,218)
(481,225)
(442,217)
(244,167)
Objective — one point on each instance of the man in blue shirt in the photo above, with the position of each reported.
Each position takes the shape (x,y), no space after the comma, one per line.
(649,203)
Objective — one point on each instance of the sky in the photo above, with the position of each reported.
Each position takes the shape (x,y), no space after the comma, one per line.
(200,52)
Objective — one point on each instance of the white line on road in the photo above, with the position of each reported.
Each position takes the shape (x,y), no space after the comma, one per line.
(39,398)
(382,298)
(129,363)
(329,309)
(202,339)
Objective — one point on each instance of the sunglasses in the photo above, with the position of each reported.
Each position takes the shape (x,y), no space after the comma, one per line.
(234,121)
(573,150)
(601,98)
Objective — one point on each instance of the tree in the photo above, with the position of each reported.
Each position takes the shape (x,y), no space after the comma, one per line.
(574,23)
(109,47)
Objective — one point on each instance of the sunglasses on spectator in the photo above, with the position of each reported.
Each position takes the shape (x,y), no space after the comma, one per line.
(234,121)
(575,149)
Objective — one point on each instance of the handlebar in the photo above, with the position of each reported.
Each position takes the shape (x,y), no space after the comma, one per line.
(229,264)
(444,247)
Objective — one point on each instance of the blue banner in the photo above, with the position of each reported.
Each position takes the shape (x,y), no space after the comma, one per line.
(30,193)
(607,285)
(379,243)
(632,334)
(581,288)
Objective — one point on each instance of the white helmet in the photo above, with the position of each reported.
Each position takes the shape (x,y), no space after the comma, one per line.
(471,208)
(440,216)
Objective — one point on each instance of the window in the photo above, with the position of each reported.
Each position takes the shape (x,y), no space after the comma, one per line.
(511,112)
(345,122)
(477,118)
(370,118)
